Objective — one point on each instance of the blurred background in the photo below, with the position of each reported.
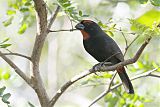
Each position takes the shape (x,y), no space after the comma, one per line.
(63,54)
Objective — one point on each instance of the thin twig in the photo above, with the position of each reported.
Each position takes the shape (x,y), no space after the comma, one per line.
(101,96)
(70,30)
(92,70)
(66,85)
(117,85)
(18,54)
(126,49)
(53,17)
(17,69)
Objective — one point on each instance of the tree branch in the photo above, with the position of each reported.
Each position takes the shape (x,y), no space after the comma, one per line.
(53,17)
(18,54)
(118,85)
(70,30)
(41,15)
(66,85)
(17,69)
(109,87)
(96,69)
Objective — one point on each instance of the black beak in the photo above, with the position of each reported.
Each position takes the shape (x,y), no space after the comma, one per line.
(80,26)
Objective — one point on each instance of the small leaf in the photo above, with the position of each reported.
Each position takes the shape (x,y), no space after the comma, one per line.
(23,28)
(5,45)
(11,12)
(30,104)
(143,1)
(24,9)
(8,22)
(80,13)
(5,98)
(141,105)
(6,75)
(110,33)
(2,90)
(5,40)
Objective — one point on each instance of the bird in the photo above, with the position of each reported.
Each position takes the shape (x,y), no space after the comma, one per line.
(103,48)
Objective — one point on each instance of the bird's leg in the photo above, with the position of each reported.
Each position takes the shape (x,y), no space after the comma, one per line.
(104,63)
(100,65)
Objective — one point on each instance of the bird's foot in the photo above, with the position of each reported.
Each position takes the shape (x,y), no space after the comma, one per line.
(100,65)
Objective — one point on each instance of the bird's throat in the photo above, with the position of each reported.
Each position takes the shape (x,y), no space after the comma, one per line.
(85,35)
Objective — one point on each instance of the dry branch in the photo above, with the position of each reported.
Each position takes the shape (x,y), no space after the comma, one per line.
(17,69)
(98,68)
(149,73)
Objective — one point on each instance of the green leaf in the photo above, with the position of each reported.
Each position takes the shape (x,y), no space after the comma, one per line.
(2,90)
(5,45)
(80,13)
(24,9)
(5,40)
(30,104)
(8,21)
(149,18)
(6,75)
(11,12)
(141,105)
(23,28)
(110,33)
(5,98)
(155,2)
(143,1)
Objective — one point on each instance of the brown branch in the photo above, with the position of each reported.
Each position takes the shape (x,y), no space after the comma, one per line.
(109,87)
(41,16)
(105,68)
(127,47)
(70,30)
(149,73)
(18,54)
(66,85)
(17,69)
(53,17)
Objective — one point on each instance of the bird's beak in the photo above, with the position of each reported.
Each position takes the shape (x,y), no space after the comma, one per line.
(80,26)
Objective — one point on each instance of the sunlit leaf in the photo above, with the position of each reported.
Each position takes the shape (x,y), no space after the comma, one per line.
(149,18)
(141,105)
(110,33)
(11,12)
(8,21)
(6,75)
(5,98)
(2,90)
(5,45)
(23,28)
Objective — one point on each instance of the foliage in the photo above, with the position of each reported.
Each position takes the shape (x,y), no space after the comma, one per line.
(147,24)
(5,96)
(119,98)
(153,2)
(23,7)
(3,44)
(71,10)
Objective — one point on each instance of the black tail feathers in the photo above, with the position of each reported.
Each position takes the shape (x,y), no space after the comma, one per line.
(125,80)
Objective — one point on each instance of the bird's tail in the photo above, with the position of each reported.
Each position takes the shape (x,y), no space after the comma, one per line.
(125,80)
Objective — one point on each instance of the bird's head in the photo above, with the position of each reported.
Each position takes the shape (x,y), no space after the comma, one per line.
(88,28)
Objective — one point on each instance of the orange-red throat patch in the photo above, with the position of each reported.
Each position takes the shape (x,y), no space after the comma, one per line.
(85,35)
